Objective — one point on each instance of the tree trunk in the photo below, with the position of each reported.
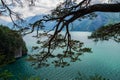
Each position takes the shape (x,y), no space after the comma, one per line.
(94,8)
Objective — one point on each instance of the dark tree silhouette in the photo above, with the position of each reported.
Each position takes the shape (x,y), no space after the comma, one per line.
(64,14)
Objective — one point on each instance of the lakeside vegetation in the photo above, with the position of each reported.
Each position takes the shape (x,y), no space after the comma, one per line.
(10,41)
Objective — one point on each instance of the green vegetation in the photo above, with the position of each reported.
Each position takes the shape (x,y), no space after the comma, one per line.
(70,51)
(108,32)
(31,78)
(10,41)
(5,75)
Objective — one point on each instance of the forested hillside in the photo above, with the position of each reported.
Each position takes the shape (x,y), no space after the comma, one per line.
(11,45)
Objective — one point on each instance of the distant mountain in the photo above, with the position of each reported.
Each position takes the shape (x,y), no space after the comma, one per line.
(32,19)
(3,22)
(83,25)
(42,8)
(101,20)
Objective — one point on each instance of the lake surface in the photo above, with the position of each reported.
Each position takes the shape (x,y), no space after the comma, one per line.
(105,60)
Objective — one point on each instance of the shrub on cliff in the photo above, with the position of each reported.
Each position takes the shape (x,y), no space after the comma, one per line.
(10,41)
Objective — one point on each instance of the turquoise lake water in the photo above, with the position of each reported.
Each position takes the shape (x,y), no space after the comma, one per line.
(105,60)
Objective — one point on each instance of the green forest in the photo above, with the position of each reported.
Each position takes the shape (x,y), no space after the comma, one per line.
(10,41)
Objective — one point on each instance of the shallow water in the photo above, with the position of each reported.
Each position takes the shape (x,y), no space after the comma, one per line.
(104,61)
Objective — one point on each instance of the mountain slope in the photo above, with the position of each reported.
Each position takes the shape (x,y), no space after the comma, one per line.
(83,25)
(33,13)
(101,20)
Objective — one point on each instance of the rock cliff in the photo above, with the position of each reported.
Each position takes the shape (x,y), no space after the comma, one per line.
(11,45)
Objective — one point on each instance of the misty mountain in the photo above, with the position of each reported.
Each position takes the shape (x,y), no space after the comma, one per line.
(86,24)
(99,21)
(83,25)
(34,13)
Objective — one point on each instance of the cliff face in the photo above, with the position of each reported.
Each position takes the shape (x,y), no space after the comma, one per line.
(20,52)
(11,45)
